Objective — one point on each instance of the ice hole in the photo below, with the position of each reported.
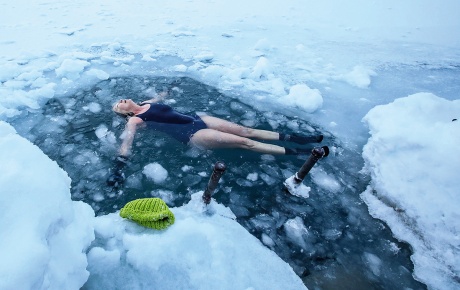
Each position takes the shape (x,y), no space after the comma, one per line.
(81,133)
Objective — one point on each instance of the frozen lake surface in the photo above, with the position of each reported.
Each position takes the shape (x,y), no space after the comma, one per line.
(328,239)
(380,80)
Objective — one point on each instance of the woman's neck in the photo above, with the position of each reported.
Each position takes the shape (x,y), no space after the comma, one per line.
(136,109)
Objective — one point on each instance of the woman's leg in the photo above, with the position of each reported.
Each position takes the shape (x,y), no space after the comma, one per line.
(235,129)
(232,128)
(212,139)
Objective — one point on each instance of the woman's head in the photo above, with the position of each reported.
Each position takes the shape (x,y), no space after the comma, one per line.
(123,107)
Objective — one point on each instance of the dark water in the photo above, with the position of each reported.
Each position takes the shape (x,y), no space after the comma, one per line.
(341,247)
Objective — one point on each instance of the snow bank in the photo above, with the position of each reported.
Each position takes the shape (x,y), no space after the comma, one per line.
(413,157)
(45,237)
(203,249)
(44,233)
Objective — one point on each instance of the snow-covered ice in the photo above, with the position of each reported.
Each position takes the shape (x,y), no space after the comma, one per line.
(392,64)
(413,158)
(44,233)
(198,252)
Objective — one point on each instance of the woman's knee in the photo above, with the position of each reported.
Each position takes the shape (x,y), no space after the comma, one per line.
(246,143)
(244,131)
(233,141)
(214,139)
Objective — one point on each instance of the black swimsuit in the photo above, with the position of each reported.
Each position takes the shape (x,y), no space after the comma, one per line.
(163,118)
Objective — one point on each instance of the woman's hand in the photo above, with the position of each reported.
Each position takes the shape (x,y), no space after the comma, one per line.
(118,177)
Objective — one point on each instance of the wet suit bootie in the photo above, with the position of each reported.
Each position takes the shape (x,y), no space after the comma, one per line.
(304,151)
(297,151)
(300,139)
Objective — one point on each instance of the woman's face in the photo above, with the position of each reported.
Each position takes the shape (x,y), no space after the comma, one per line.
(122,106)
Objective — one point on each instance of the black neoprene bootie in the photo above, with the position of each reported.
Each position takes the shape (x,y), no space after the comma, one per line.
(300,139)
(305,151)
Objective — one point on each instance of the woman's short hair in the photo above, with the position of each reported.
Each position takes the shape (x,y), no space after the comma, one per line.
(123,115)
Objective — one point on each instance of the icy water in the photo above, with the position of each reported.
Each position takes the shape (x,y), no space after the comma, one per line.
(329,239)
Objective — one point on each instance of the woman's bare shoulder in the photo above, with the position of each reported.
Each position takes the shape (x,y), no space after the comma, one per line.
(134,120)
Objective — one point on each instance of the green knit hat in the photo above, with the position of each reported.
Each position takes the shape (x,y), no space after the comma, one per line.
(148,212)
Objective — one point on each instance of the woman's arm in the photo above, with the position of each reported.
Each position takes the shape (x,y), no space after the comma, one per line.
(128,136)
(117,177)
(158,98)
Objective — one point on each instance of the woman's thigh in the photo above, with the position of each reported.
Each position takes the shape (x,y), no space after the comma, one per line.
(232,128)
(226,126)
(211,139)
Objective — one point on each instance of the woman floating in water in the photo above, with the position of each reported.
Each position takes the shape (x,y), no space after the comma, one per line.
(202,131)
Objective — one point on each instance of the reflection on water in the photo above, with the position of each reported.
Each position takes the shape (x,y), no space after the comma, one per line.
(329,239)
